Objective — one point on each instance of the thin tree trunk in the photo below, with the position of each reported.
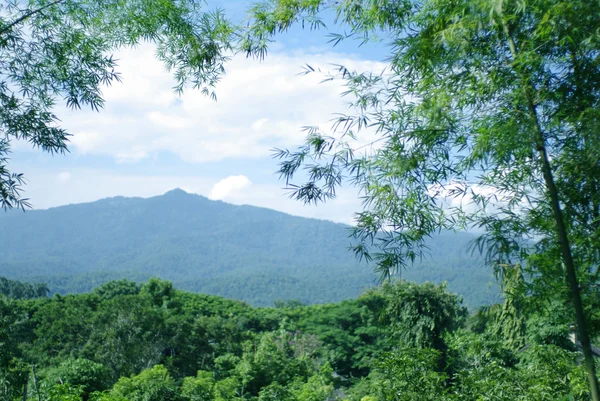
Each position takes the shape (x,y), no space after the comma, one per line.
(37,390)
(567,255)
(561,230)
(570,273)
(25,388)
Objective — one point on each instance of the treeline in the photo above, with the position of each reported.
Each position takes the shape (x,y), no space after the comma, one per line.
(262,287)
(18,290)
(401,341)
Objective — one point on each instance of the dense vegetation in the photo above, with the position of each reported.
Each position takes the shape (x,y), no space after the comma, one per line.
(492,104)
(242,252)
(402,341)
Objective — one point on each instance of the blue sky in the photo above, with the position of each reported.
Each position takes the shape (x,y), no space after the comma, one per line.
(147,140)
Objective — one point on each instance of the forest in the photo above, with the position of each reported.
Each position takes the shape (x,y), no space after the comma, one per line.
(400,341)
(484,118)
(248,253)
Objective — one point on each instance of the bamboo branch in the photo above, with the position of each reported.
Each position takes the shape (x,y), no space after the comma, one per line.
(27,15)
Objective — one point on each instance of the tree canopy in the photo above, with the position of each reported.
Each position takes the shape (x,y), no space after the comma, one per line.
(402,341)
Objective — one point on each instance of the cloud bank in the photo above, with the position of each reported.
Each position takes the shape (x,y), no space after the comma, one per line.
(260,105)
(229,187)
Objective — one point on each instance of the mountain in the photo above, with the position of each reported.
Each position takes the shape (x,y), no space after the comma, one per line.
(242,252)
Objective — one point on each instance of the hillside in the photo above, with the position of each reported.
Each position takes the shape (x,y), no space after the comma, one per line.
(242,252)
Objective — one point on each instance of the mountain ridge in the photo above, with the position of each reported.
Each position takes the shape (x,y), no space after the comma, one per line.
(255,254)
(171,193)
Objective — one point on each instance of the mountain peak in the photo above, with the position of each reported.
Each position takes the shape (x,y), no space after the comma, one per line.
(176,192)
(181,194)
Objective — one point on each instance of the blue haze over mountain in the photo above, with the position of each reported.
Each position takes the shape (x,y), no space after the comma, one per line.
(243,252)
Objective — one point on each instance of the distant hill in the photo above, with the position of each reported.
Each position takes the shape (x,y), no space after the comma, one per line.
(242,252)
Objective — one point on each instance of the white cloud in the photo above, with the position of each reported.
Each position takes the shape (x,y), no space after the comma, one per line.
(229,187)
(63,177)
(260,105)
(259,124)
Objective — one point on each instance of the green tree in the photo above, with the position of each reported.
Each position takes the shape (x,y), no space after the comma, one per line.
(275,392)
(88,376)
(13,373)
(62,327)
(64,392)
(409,374)
(155,384)
(486,117)
(160,291)
(228,389)
(508,321)
(61,49)
(420,315)
(18,290)
(128,334)
(199,388)
(348,332)
(115,288)
(486,370)
(318,387)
